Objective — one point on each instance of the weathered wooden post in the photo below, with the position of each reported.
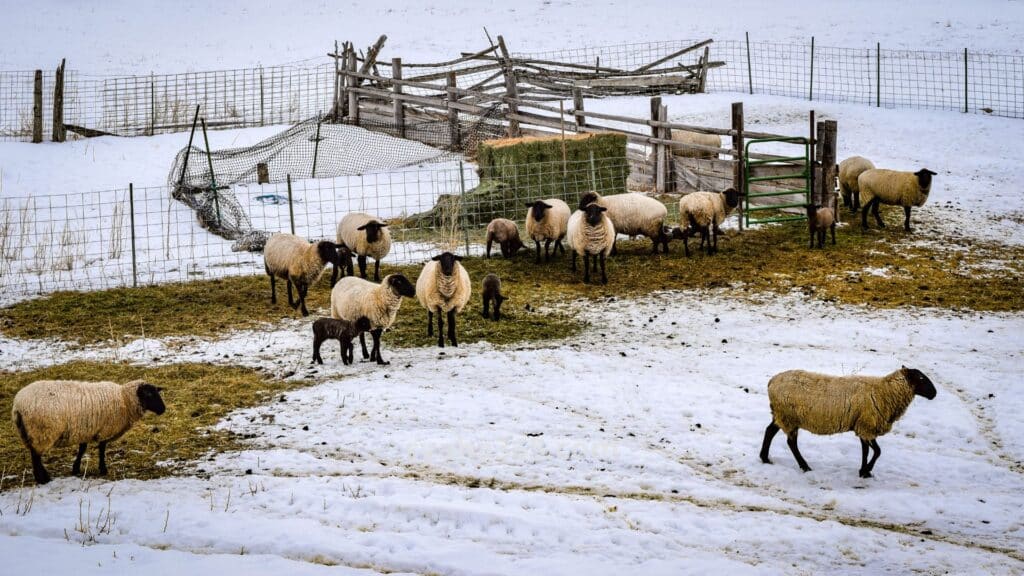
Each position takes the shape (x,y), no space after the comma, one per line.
(577,105)
(827,131)
(658,148)
(511,89)
(59,133)
(666,152)
(396,88)
(334,107)
(353,98)
(454,138)
(37,108)
(737,155)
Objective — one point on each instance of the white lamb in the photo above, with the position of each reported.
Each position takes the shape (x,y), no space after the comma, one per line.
(443,287)
(704,212)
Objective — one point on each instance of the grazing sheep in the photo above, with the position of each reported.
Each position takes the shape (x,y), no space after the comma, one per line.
(365,235)
(546,220)
(341,330)
(591,235)
(820,219)
(823,404)
(699,138)
(492,293)
(847,172)
(443,287)
(893,187)
(704,212)
(298,262)
(506,234)
(54,413)
(354,297)
(633,214)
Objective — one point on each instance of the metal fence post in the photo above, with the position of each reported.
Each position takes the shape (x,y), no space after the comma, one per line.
(878,75)
(131,219)
(152,105)
(261,95)
(965,80)
(291,206)
(465,219)
(750,73)
(810,92)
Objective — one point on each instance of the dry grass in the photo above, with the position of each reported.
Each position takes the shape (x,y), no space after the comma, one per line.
(197,396)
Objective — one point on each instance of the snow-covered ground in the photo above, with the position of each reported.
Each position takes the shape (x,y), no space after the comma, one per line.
(629,449)
(632,448)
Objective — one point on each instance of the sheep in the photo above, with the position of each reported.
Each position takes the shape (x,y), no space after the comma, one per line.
(354,297)
(591,234)
(365,235)
(55,413)
(298,262)
(492,293)
(703,212)
(443,287)
(341,330)
(893,187)
(546,220)
(819,219)
(699,138)
(847,172)
(506,234)
(824,404)
(634,214)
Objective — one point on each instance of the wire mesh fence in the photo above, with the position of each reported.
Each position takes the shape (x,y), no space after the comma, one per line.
(143,236)
(133,105)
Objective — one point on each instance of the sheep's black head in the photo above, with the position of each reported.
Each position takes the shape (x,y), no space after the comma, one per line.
(363,324)
(732,197)
(515,244)
(149,398)
(400,285)
(328,252)
(447,260)
(679,233)
(922,384)
(594,214)
(537,209)
(373,230)
(588,198)
(344,254)
(924,178)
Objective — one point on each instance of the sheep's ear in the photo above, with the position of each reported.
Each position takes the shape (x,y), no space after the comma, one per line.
(436,258)
(530,204)
(363,227)
(382,224)
(159,389)
(458,258)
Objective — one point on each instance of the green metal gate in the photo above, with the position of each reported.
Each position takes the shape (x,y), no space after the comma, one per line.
(801,163)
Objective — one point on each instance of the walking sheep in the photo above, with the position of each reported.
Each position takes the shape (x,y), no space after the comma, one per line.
(704,212)
(365,235)
(492,294)
(546,220)
(506,234)
(893,187)
(633,214)
(699,138)
(591,235)
(847,172)
(823,404)
(354,297)
(55,413)
(820,219)
(443,287)
(341,330)
(298,262)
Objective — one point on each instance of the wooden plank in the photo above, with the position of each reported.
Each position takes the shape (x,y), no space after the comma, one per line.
(465,57)
(636,82)
(530,61)
(353,97)
(703,75)
(510,88)
(459,72)
(371,54)
(675,54)
(454,138)
(399,108)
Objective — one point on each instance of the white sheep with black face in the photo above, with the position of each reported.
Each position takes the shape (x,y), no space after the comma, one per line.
(301,263)
(366,236)
(893,187)
(704,212)
(354,297)
(591,235)
(55,413)
(443,288)
(824,404)
(547,220)
(847,173)
(634,214)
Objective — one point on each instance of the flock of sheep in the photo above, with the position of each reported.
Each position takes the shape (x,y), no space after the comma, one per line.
(49,414)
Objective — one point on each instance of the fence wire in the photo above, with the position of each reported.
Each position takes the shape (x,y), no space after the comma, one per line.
(85,241)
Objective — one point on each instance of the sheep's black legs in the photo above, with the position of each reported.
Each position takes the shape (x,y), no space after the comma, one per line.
(362,341)
(615,248)
(811,244)
(604,277)
(302,289)
(769,434)
(430,323)
(316,350)
(487,305)
(864,216)
(376,270)
(451,329)
(291,301)
(273,290)
(334,275)
(497,310)
(490,240)
(559,246)
(547,247)
(537,242)
(833,233)
(586,268)
(875,202)
(791,440)
(686,243)
(362,265)
(906,219)
(868,465)
(76,468)
(440,327)
(38,471)
(103,458)
(348,353)
(573,260)
(376,347)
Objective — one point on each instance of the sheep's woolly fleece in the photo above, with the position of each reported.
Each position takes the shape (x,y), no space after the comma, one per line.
(353,297)
(553,225)
(355,239)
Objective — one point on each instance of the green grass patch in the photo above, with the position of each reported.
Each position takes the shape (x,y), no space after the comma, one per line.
(197,396)
(881,268)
